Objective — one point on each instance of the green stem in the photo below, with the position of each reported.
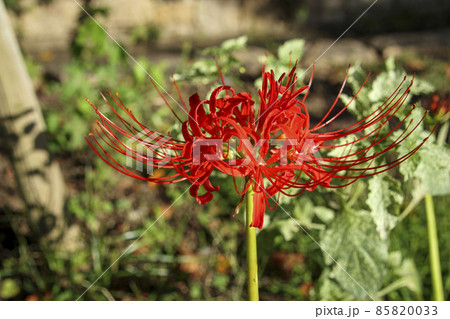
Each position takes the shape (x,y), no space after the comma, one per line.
(418,195)
(435,264)
(252,261)
(400,283)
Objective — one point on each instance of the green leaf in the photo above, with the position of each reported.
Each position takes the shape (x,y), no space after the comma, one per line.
(235,44)
(195,290)
(411,277)
(325,214)
(52,121)
(220,281)
(329,289)
(287,227)
(288,53)
(353,242)
(9,288)
(387,81)
(373,95)
(384,198)
(433,170)
(429,164)
(291,51)
(140,75)
(408,168)
(404,273)
(385,84)
(303,209)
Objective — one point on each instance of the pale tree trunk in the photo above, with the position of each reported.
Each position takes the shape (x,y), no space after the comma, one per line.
(24,133)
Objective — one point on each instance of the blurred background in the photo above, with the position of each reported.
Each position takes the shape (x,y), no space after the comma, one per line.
(53,247)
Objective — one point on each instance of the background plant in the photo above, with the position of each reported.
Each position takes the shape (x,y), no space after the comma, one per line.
(197,255)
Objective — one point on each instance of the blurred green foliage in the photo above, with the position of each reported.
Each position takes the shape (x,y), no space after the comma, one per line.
(143,247)
(288,54)
(99,64)
(205,70)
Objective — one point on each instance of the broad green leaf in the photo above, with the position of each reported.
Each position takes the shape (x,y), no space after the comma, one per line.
(374,95)
(429,164)
(408,272)
(329,289)
(433,170)
(384,200)
(353,242)
(385,84)
(408,167)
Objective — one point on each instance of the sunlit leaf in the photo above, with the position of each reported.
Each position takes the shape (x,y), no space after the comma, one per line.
(291,51)
(9,288)
(384,199)
(433,170)
(353,242)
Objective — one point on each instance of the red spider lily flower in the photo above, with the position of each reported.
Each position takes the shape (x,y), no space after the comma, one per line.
(299,163)
(274,148)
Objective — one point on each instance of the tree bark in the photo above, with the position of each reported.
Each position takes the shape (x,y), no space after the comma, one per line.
(23,130)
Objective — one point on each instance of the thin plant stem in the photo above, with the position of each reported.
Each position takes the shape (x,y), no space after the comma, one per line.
(435,264)
(417,198)
(400,283)
(252,260)
(433,244)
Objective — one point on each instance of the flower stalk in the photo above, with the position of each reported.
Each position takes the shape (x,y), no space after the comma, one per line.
(433,244)
(435,264)
(252,260)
